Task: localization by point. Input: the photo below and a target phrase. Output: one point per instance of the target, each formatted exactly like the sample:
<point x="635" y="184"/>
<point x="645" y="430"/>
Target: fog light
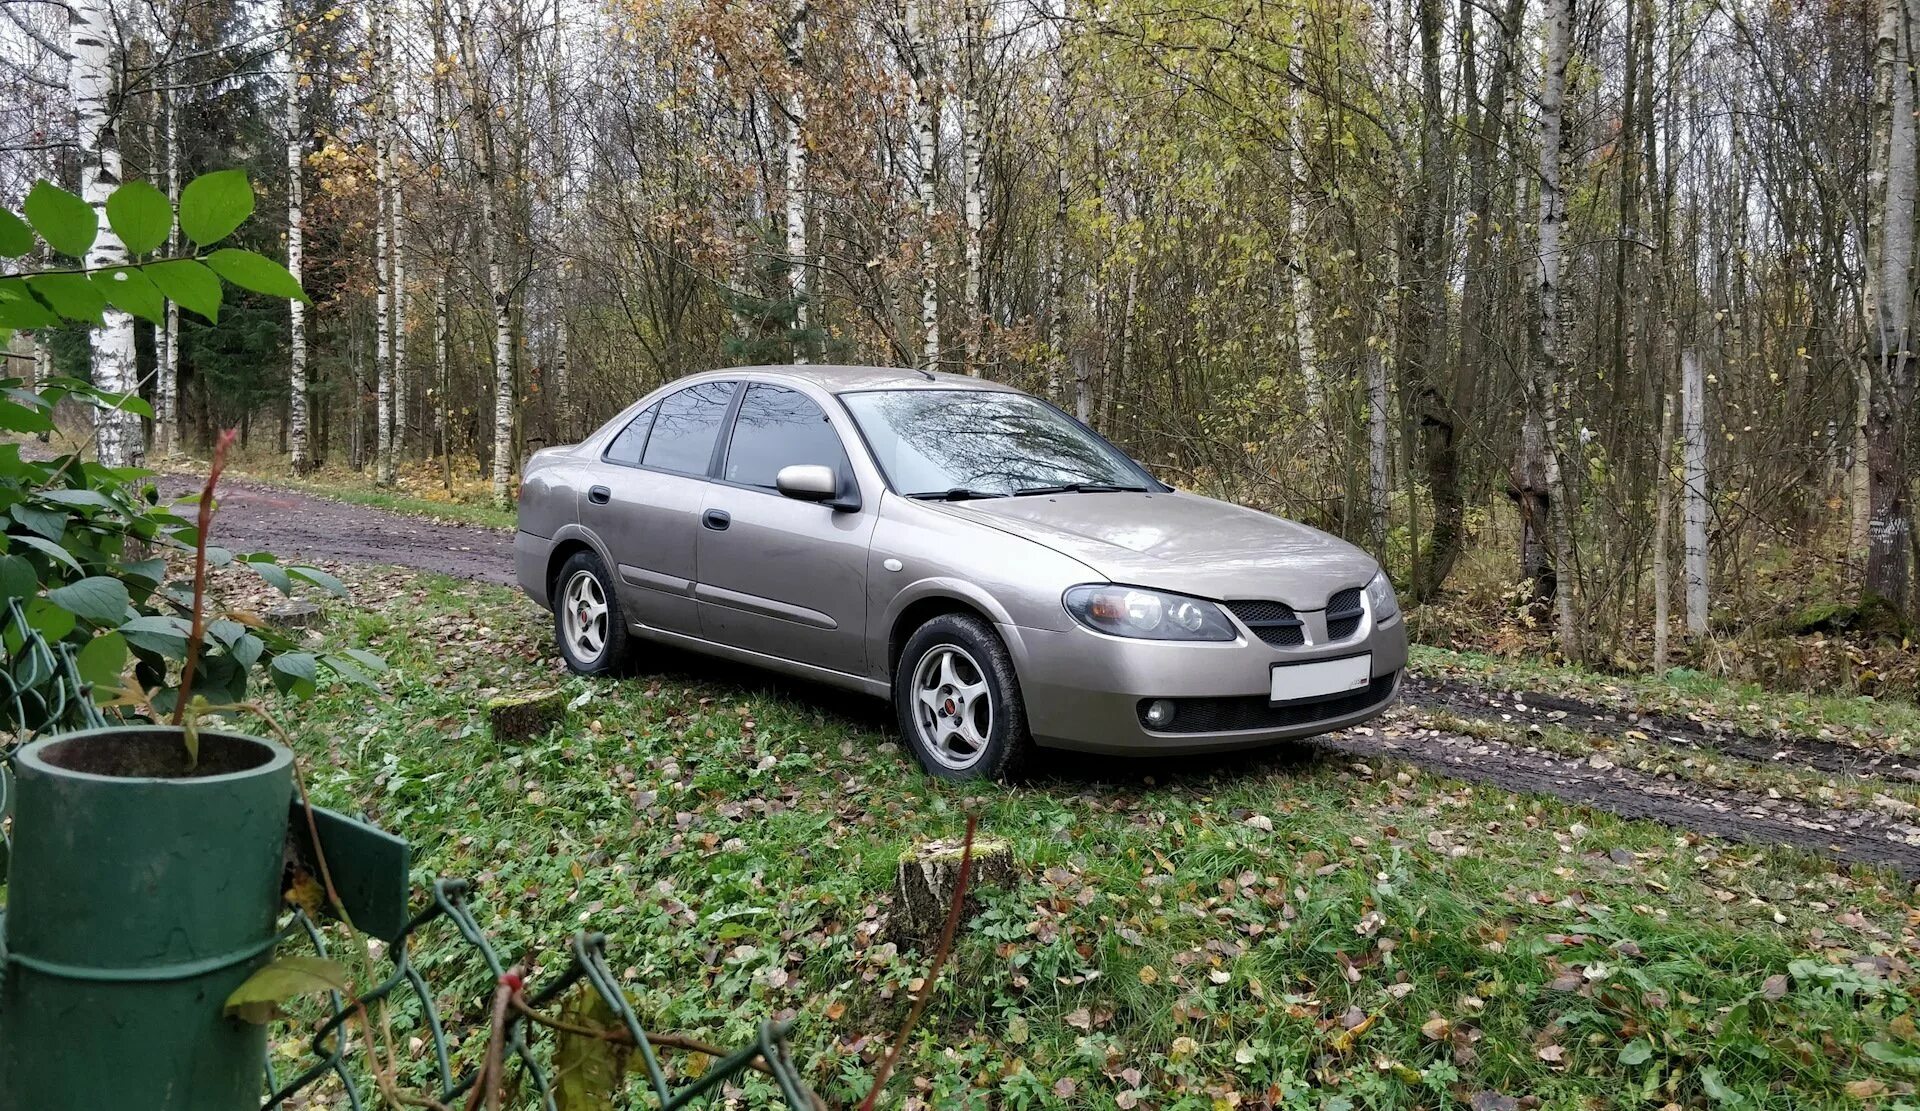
<point x="1159" y="713"/>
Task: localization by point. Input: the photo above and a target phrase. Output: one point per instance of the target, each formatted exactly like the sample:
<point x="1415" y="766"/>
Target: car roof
<point x="844" y="379"/>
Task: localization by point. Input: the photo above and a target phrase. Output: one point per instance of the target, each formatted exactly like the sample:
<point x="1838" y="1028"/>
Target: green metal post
<point x="136" y="904"/>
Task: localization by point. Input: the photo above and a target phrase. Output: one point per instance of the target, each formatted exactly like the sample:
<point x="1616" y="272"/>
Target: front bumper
<point x="1084" y="690"/>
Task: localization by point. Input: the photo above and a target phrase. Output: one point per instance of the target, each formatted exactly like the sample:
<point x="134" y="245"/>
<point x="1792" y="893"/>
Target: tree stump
<point x="516" y="720"/>
<point x="296" y="614"/>
<point x="924" y="879"/>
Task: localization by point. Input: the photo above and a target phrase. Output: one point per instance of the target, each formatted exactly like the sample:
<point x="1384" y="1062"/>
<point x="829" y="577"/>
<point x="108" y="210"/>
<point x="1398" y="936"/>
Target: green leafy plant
<point x="85" y="575"/>
<point x="212" y="207"/>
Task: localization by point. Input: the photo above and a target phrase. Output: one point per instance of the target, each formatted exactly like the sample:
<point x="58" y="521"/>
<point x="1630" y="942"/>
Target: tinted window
<point x="933" y="441"/>
<point x="778" y="427"/>
<point x="625" y="447"/>
<point x="688" y="424"/>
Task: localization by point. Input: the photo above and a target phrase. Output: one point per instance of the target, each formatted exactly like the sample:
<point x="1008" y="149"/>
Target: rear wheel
<point x="586" y="617"/>
<point x="959" y="701"/>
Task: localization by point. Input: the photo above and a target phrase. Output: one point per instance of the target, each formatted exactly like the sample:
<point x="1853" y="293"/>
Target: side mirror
<point x="807" y="482"/>
<point x="815" y="482"/>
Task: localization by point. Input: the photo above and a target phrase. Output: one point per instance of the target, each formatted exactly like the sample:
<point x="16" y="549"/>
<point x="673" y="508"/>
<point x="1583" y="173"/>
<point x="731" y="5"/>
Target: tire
<point x="584" y="604"/>
<point x="958" y="701"/>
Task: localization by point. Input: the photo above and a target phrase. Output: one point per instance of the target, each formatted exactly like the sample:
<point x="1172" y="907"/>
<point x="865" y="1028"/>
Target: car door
<point x="779" y="576"/>
<point x="645" y="500"/>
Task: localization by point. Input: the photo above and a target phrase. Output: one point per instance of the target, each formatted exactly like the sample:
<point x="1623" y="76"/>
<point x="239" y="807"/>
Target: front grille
<point x="1273" y="622"/>
<point x="1239" y="715"/>
<point x="1343" y="614"/>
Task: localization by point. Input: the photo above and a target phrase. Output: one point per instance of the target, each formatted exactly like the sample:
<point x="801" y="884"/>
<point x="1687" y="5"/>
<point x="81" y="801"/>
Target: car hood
<point x="1183" y="542"/>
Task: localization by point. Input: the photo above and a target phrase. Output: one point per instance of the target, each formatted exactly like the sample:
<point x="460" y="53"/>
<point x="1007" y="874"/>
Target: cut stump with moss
<point x="925" y="877"/>
<point x="517" y="720"/>
<point x="297" y="614"/>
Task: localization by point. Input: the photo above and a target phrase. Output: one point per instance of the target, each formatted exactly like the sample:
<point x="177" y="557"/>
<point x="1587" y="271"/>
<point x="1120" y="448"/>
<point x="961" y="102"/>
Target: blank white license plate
<point x="1321" y="678"/>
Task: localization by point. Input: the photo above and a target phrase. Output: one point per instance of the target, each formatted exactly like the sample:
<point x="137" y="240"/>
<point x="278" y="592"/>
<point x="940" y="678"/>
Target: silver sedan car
<point x="1001" y="573"/>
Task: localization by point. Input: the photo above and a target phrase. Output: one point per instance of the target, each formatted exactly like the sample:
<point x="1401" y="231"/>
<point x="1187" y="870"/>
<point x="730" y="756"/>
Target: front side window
<point x="984" y="443"/>
<point x="687" y="427"/>
<point x="626" y="447"/>
<point x="778" y="427"/>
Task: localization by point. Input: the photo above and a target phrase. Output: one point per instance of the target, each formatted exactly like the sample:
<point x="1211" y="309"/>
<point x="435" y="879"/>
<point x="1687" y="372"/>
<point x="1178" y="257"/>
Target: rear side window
<point x="778" y="427"/>
<point x="626" y="447"/>
<point x="687" y="427"/>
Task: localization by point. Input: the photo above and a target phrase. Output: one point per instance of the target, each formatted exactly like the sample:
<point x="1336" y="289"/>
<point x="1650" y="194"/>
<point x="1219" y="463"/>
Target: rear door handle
<point x="716" y="519"/>
<point x="599" y="495"/>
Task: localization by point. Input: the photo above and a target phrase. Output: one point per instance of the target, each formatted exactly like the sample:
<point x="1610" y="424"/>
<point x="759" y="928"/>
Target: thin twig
<point x="185" y="693"/>
<point x="885" y="1070"/>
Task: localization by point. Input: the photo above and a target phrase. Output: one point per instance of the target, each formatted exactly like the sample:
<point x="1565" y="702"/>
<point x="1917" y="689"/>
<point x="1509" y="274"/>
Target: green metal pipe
<point x="141" y="894"/>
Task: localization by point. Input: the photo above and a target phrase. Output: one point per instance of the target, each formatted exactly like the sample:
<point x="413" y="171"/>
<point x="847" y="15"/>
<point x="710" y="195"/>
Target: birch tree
<point x="1545" y="379"/>
<point x="1890" y="236"/>
<point x="1693" y="436"/>
<point x="298" y="449"/>
<point x="119" y="437"/>
<point x="973" y="156"/>
<point x="926" y="123"/>
<point x="798" y="257"/>
<point x="381" y="113"/>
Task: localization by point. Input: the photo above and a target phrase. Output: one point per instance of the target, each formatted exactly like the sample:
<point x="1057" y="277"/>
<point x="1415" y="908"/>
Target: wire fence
<point x="349" y="1054"/>
<point x="337" y="1056"/>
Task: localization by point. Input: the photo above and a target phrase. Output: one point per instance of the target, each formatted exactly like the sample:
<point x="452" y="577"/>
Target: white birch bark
<point x="166" y="391"/>
<point x="926" y="123"/>
<point x="973" y="172"/>
<point x="1693" y="436"/>
<point x="382" y="253"/>
<point x="1298" y="232"/>
<point x="493" y="244"/>
<point x="119" y="438"/>
<point x="297" y="426"/>
<point x="1545" y="385"/>
<point x="42" y="368"/>
<point x="397" y="414"/>
<point x="1891" y="195"/>
<point x="796" y="179"/>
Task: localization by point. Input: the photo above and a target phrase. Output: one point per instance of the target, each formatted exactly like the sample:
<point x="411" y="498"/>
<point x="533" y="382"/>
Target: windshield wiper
<point x="958" y="493"/>
<point x="1080" y="488"/>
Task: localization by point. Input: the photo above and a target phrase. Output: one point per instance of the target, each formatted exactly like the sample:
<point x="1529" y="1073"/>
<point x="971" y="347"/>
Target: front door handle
<point x="716" y="519"/>
<point x="599" y="495"/>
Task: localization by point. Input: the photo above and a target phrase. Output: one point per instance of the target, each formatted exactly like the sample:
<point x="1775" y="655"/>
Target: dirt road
<point x="294" y="525"/>
<point x="297" y="525"/>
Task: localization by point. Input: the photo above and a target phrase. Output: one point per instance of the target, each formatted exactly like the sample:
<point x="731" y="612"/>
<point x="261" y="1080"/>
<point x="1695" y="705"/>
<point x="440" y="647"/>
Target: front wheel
<point x="958" y="700"/>
<point x="586" y="617"/>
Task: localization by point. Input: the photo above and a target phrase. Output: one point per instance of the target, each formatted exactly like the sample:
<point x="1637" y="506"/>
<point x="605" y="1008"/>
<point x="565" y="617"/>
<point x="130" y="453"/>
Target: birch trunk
<point x="796" y="181"/>
<point x="397" y="413"/>
<point x="119" y="438"/>
<point x="440" y="422"/>
<point x="562" y="363"/>
<point x="383" y="256"/>
<point x="1298" y="232"/>
<point x="926" y="124"/>
<point x="1548" y="359"/>
<point x="1662" y="527"/>
<point x="1890" y="237"/>
<point x="167" y="390"/>
<point x="973" y="173"/>
<point x="1056" y="336"/>
<point x="493" y="243"/>
<point x="42" y="369"/>
<point x="297" y="425"/>
<point x="1693" y="436"/>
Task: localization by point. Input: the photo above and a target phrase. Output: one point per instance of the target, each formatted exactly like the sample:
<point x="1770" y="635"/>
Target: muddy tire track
<point x="1855" y="836"/>
<point x="1536" y="708"/>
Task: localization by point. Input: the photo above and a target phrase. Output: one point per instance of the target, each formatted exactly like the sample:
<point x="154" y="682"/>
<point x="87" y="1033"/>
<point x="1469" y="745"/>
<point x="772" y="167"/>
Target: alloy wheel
<point x="583" y="616"/>
<point x="953" y="706"/>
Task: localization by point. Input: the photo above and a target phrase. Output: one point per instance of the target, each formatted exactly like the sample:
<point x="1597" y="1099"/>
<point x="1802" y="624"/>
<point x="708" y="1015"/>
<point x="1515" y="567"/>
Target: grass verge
<point x="1240" y="933"/>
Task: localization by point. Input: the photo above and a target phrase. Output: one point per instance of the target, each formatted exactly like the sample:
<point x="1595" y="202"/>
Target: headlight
<point x="1380" y="597"/>
<point x="1128" y="611"/>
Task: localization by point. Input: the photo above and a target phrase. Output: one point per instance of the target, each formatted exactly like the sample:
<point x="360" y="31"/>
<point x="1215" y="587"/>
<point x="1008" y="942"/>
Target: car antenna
<point x="927" y="372"/>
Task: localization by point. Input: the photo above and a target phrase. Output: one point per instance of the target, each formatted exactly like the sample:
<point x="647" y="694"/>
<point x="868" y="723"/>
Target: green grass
<point x="1163" y="947"/>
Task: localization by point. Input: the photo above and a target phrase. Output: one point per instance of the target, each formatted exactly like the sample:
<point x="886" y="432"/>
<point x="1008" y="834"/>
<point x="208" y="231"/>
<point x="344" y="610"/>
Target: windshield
<point x="981" y="443"/>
